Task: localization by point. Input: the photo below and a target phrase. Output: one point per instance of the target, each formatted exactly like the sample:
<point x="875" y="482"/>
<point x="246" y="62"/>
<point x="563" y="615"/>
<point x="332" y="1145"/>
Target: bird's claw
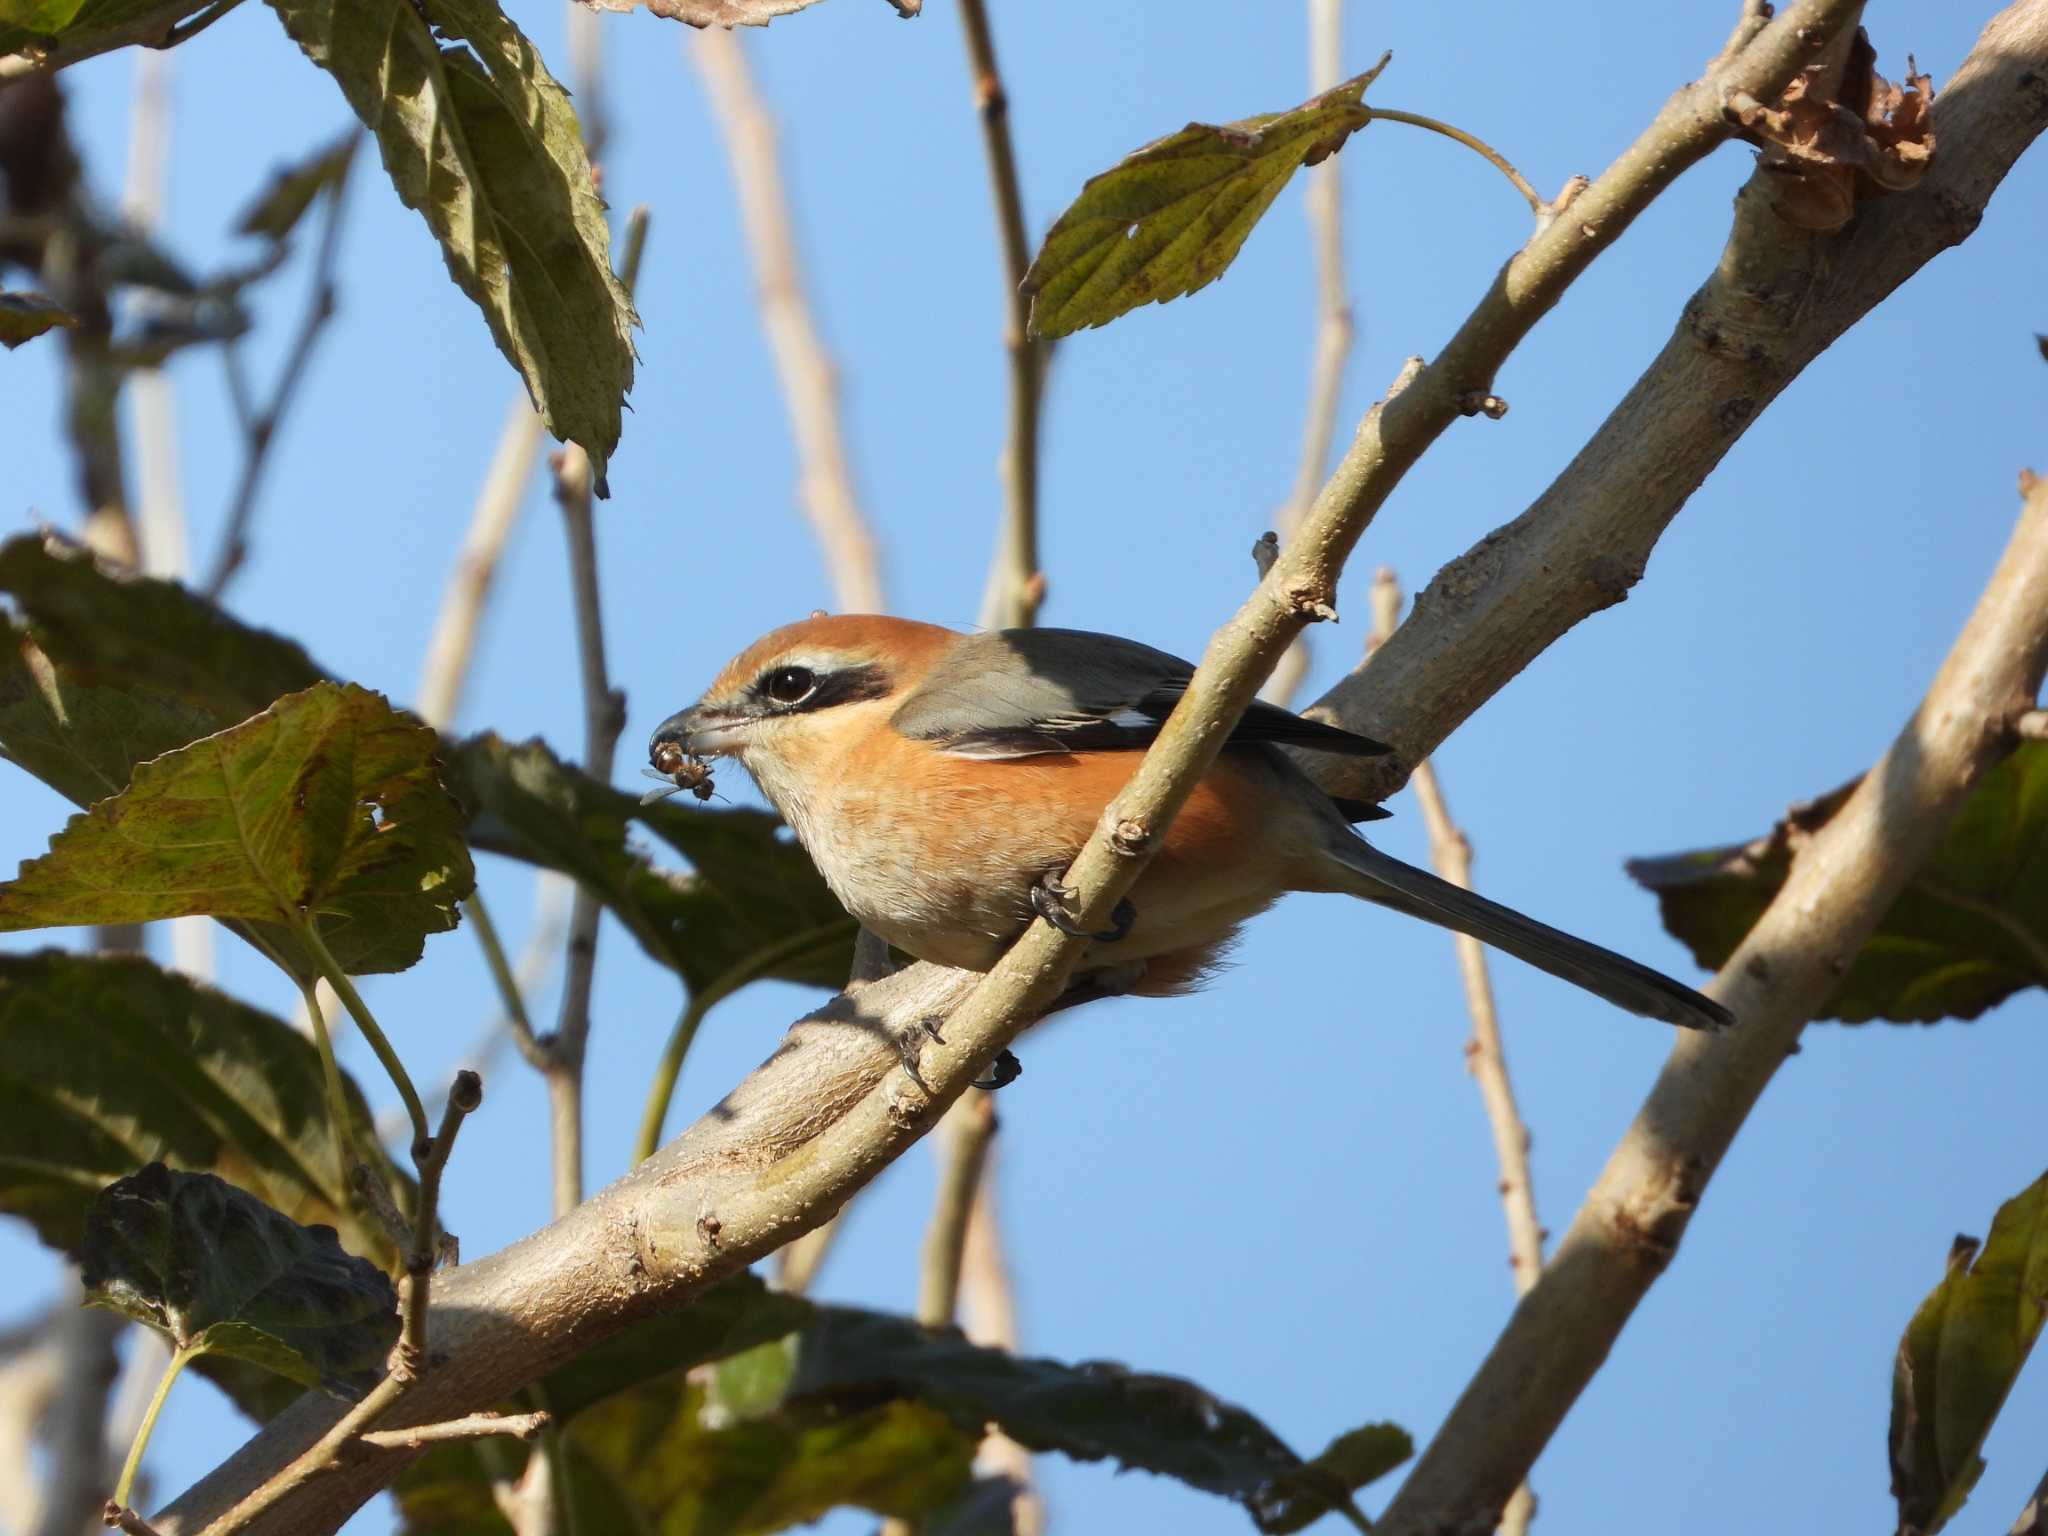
<point x="1049" y="900"/>
<point x="1002" y="1072"/>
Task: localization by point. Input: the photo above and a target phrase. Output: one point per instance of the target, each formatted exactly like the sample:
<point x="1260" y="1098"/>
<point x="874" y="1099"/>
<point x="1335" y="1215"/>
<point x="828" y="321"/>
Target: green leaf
<point x="217" y="1271"/>
<point x="292" y="188"/>
<point x="1170" y="218"/>
<point x="730" y="1319"/>
<point x="1968" y="932"/>
<point x="25" y="316"/>
<point x="753" y="905"/>
<point x="1352" y="1460"/>
<point x="481" y="139"/>
<point x="326" y="806"/>
<point x="842" y="1410"/>
<point x="1959" y="1358"/>
<point x="107" y="1062"/>
<point x="1157" y="1423"/>
<point x="70" y="30"/>
<point x="109" y="628"/>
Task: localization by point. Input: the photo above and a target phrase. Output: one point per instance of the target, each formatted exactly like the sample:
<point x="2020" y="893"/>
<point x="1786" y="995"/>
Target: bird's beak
<point x="700" y="732"/>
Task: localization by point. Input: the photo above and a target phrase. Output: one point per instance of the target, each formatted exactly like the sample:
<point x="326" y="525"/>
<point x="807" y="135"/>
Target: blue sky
<point x="1282" y="1188"/>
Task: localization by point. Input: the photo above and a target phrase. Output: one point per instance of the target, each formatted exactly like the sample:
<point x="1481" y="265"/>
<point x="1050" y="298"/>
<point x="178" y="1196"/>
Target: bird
<point x="942" y="782"/>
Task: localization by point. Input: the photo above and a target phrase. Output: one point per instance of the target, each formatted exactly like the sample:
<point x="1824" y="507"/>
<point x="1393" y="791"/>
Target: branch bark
<point x="1840" y="885"/>
<point x="1776" y="301"/>
<point x="790" y="1144"/>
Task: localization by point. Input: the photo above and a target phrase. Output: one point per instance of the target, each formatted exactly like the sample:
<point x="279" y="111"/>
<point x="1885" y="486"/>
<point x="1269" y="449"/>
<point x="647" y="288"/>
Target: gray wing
<point x="1029" y="692"/>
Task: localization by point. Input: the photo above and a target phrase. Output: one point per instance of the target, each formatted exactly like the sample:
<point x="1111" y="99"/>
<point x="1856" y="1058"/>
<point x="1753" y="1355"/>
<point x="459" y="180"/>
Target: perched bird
<point x="943" y="783"/>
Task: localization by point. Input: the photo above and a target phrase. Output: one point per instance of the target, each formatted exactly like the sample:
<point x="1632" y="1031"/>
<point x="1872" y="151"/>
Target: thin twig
<point x="511" y="992"/>
<point x="1324" y="203"/>
<point x="1016" y="582"/>
<point x="964" y="1137"/>
<point x="464" y="1096"/>
<point x="475" y="1426"/>
<point x="263" y="427"/>
<point x="604" y="717"/>
<point x="810" y="386"/>
<point x="499" y="501"/>
<point x="1451" y="852"/>
<point x="988" y="1315"/>
<point x="160" y="500"/>
<point x="121" y="1518"/>
<point x="409" y="1360"/>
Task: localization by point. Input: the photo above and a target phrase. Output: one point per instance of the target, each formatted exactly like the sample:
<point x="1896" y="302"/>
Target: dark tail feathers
<point x="1379" y="877"/>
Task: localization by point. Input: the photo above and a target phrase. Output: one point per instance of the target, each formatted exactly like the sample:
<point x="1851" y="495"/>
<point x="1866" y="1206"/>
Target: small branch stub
<point x="1480" y="402"/>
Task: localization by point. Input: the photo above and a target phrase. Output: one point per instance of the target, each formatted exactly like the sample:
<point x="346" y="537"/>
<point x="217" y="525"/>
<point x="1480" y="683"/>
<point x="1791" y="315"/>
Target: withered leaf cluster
<point x="1824" y="153"/>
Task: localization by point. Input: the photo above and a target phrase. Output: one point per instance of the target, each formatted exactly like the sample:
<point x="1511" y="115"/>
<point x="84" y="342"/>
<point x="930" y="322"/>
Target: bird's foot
<point x="1005" y="1070"/>
<point x="910" y="1049"/>
<point x="1050" y="900"/>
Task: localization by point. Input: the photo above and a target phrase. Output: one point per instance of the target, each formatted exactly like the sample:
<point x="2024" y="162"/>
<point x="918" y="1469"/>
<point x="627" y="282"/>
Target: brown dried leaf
<point x="1873" y="137"/>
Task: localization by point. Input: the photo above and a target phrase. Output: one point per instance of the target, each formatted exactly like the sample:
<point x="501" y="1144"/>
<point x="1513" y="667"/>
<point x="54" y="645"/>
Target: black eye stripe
<point x="794" y="688"/>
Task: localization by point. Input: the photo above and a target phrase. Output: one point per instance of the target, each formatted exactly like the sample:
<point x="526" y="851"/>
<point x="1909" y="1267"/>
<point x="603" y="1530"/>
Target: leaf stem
<point x="337" y="1101"/>
<point x="663" y="1088"/>
<point x="509" y="993"/>
<point x="180" y="1358"/>
<point x="1477" y="145"/>
<point x="309" y="930"/>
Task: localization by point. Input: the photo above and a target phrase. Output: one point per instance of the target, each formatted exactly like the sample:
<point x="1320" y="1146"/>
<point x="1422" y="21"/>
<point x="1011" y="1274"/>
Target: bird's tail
<point x="1379" y="877"/>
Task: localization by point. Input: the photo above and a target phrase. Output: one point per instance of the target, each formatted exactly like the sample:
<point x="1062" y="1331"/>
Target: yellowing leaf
<point x="481" y="139"/>
<point x="324" y="806"/>
<point x="1171" y="218"/>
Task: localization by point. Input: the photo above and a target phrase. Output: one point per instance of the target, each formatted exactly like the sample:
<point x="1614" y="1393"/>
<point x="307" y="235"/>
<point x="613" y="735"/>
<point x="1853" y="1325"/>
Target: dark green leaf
<point x="481" y="139"/>
<point x="1170" y="218"/>
<point x="752" y="907"/>
<point x="1158" y="1423"/>
<point x="112" y="629"/>
<point x="654" y="1458"/>
<point x="25" y="316"/>
<point x="216" y="1270"/>
<point x="1352" y="1460"/>
<point x="326" y="805"/>
<point x="70" y="30"/>
<point x="280" y="205"/>
<point x="1959" y="1358"/>
<point x="107" y="1062"/>
<point x="731" y="1318"/>
<point x="689" y="1450"/>
<point x="987" y="1508"/>
<point x="1968" y="932"/>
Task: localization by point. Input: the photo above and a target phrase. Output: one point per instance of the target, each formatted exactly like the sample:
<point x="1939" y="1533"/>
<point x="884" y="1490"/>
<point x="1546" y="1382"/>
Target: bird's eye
<point x="790" y="685"/>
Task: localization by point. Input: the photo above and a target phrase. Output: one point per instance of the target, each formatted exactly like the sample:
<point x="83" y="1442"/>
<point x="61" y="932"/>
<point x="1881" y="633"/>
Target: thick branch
<point x="1840" y="885"/>
<point x="1777" y="300"/>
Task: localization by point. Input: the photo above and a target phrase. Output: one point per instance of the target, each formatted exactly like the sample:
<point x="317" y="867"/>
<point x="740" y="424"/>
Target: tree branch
<point x="963" y="1139"/>
<point x="731" y="1188"/>
<point x="1016" y="584"/>
<point x="1777" y="299"/>
<point x="1842" y="882"/>
<point x="810" y="384"/>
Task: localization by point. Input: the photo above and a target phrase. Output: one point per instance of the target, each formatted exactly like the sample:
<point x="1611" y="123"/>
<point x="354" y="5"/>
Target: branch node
<point x="708" y="1228"/>
<point x="1480" y="402"/>
<point x="1130" y="837"/>
<point x="1314" y="603"/>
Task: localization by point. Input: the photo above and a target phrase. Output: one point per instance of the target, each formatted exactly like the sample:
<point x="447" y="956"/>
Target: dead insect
<point x="678" y="771"/>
